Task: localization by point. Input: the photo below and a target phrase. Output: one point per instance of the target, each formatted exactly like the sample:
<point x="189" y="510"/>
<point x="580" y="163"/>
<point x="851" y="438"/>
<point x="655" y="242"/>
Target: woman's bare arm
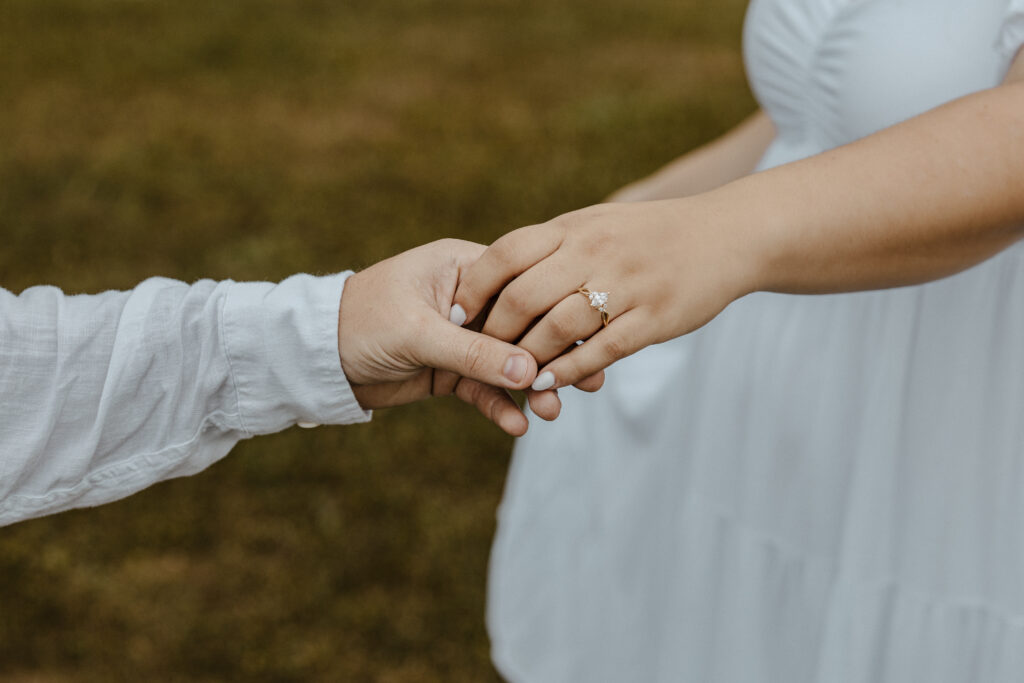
<point x="912" y="203"/>
<point x="724" y="159"/>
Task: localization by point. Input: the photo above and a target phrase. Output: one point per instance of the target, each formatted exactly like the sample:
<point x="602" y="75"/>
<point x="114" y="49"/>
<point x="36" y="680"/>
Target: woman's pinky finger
<point x="614" y="342"/>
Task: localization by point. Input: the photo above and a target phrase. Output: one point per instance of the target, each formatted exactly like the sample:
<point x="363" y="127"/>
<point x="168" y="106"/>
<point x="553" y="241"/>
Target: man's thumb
<point x="477" y="356"/>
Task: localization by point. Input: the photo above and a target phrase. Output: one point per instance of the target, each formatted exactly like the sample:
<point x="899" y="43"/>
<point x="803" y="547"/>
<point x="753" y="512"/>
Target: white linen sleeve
<point x="104" y="395"/>
<point x="1011" y="38"/>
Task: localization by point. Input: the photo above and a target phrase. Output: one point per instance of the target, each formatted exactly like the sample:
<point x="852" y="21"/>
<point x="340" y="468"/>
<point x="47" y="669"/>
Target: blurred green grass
<point x="257" y="138"/>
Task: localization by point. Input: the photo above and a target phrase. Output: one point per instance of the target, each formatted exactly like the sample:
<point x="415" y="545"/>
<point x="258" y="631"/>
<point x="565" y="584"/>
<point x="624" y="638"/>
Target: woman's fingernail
<point x="545" y="380"/>
<point x="457" y="315"/>
<point x="515" y="369"/>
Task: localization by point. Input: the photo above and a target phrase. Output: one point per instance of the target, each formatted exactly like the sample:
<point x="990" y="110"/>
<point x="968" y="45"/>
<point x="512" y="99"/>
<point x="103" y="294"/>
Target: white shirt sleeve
<point x="101" y="396"/>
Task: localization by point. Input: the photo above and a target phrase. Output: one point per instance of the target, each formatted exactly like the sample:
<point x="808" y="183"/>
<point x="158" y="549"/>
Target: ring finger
<point x="571" y="320"/>
<point x="529" y="296"/>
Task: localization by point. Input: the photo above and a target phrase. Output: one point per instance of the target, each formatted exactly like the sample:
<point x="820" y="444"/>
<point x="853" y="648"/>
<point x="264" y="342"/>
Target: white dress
<point x="811" y="488"/>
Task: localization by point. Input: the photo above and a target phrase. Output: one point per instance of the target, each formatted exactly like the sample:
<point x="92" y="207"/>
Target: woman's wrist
<point x="736" y="244"/>
<point x="774" y="229"/>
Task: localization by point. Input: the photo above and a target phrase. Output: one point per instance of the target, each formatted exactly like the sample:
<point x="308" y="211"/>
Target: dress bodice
<point x="831" y="71"/>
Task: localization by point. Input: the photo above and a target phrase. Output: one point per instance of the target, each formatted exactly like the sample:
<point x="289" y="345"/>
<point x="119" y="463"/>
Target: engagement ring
<point x="599" y="301"/>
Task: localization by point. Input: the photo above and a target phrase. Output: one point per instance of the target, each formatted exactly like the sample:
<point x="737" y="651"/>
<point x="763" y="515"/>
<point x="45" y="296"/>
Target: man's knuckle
<point x="467" y="390"/>
<point x="476" y="355"/>
<point x="567" y="222"/>
<point x="444" y="383"/>
<point x="493" y="407"/>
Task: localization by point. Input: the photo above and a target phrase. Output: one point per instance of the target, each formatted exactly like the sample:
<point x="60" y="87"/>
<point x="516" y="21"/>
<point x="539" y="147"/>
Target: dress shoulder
<point x="1011" y="38"/>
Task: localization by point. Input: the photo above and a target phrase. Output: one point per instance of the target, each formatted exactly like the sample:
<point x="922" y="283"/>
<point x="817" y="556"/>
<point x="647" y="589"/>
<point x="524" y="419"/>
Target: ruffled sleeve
<point x="1011" y="38"/>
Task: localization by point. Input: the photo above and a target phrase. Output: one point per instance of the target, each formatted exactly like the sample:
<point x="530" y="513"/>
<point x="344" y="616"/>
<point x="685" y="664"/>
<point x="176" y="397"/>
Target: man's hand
<point x="393" y="332"/>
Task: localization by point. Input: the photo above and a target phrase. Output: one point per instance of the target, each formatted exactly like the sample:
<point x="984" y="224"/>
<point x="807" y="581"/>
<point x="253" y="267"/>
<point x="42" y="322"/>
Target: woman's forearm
<point x="916" y="202"/>
<point x="721" y="161"/>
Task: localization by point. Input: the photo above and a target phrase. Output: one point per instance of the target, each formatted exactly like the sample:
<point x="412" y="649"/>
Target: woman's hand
<point x="668" y="268"/>
<point x="888" y="210"/>
<point x="394" y="331"/>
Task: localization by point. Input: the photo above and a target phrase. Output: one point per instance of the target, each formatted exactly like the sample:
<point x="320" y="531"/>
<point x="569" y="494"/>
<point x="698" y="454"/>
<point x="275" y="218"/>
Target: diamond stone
<point x="598" y="300"/>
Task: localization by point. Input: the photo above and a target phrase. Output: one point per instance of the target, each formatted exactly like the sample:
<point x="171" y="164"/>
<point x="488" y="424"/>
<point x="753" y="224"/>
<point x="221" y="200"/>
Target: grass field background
<point x="254" y="139"/>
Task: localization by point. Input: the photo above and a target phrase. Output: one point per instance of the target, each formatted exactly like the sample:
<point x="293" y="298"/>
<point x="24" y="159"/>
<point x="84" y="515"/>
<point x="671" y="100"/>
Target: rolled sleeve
<point x="281" y="341"/>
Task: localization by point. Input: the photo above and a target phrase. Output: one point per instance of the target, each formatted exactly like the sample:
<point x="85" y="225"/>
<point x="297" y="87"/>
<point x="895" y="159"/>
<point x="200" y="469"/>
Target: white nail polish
<point x="545" y="380"/>
<point x="457" y="316"/>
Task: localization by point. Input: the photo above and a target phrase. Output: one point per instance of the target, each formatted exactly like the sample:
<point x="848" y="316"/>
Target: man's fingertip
<point x="516" y="368"/>
<point x="516" y="425"/>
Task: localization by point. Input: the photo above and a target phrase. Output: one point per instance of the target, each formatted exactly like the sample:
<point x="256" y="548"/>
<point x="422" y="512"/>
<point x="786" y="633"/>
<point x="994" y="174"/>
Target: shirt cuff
<point x="281" y="342"/>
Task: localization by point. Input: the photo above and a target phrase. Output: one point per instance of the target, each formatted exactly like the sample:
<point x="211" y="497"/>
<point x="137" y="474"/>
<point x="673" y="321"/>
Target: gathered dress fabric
<point x="809" y="488"/>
